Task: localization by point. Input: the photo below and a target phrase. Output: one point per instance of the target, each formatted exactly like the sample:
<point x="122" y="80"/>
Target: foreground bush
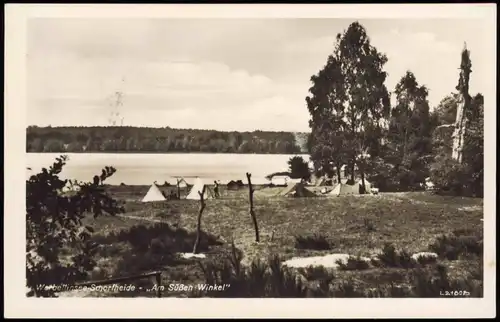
<point x="150" y="247"/>
<point x="259" y="280"/>
<point x="54" y="221"/>
<point x="457" y="245"/>
<point x="271" y="279"/>
<point x="314" y="242"/>
<point x="353" y="263"/>
<point x="392" y="258"/>
<point x="438" y="283"/>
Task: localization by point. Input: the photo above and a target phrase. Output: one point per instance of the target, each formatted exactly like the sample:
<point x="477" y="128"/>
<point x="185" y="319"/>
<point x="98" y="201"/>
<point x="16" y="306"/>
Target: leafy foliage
<point x="458" y="245"/>
<point x="465" y="178"/>
<point x="390" y="257"/>
<point x="316" y="241"/>
<point x="273" y="279"/>
<point x="54" y="221"/>
<point x="260" y="279"/>
<point x="410" y="146"/>
<point x="348" y="102"/>
<point x="351" y="116"/>
<point x="353" y="263"/>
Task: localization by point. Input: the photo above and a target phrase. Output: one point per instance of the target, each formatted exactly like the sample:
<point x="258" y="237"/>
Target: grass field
<point x="147" y="236"/>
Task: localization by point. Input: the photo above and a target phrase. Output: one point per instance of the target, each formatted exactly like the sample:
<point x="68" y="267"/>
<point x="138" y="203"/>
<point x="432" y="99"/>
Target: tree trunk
<point x="458" y="133"/>
<point x="178" y="190"/>
<point x="198" y="227"/>
<point x="363" y="190"/>
<point x="352" y="169"/>
<point x="252" y="213"/>
<point x="339" y="176"/>
<point x="404" y="143"/>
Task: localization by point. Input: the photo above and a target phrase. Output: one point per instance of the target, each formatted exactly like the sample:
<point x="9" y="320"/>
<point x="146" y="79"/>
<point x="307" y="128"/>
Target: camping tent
<point x="154" y="194"/>
<point x="198" y="187"/>
<point x="345" y="189"/>
<point x="182" y="183"/>
<point x="368" y="185"/>
<point x="296" y="189"/>
<point x="321" y="182"/>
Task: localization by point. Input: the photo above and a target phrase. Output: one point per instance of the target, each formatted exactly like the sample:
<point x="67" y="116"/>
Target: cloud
<point x="221" y="74"/>
<point x="433" y="61"/>
<point x="434" y="58"/>
<point x="277" y="113"/>
<point x="157" y="93"/>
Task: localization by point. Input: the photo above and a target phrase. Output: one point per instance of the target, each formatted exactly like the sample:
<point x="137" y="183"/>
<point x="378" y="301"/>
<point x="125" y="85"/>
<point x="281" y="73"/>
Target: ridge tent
<point x="297" y="189"/>
<point x="154" y="194"/>
<point x="345" y="189"/>
<point x="322" y="182"/>
<point x="198" y="187"/>
<point x="181" y="183"/>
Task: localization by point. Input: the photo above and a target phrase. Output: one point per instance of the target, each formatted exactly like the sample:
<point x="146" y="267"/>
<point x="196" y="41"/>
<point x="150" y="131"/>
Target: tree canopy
<point x="353" y="124"/>
<point x="349" y="103"/>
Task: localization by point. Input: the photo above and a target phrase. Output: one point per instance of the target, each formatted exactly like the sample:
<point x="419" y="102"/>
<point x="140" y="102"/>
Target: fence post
<point x="198" y="226"/>
<point x="252" y="212"/>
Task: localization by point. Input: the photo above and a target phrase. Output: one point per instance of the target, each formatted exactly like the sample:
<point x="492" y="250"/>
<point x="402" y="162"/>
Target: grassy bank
<point x="148" y="236"/>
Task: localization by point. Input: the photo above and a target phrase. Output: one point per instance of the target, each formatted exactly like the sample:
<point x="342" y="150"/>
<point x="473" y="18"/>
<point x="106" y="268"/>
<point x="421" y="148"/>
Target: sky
<point x="222" y="74"/>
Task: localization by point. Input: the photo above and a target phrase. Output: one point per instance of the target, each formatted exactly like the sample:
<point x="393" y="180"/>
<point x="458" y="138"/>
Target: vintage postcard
<point x="234" y="160"/>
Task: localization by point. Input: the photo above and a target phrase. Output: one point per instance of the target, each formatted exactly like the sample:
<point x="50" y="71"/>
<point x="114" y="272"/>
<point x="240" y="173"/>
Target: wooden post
<point x="198" y="228"/>
<point x="158" y="283"/>
<point x="178" y="189"/>
<point x="252" y="213"/>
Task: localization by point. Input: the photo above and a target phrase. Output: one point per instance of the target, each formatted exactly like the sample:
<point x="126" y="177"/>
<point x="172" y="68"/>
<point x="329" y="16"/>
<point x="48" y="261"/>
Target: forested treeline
<point x="157" y="140"/>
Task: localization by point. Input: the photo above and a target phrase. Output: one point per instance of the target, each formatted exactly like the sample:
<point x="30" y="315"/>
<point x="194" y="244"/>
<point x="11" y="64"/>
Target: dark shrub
<point x="353" y="263"/>
<point x="454" y="246"/>
<point x="391" y="258"/>
<point x="315" y="242"/>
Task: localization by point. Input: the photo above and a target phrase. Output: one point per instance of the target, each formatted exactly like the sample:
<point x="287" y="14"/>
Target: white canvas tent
<point x="345" y="189"/>
<point x="182" y="183"/>
<point x="154" y="194"/>
<point x="197" y="188"/>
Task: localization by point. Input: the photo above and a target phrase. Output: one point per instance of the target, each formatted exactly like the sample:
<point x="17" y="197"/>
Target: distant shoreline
<point x="138" y="140"/>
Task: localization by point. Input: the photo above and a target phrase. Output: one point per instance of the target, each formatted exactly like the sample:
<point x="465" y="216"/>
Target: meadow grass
<point x="389" y="227"/>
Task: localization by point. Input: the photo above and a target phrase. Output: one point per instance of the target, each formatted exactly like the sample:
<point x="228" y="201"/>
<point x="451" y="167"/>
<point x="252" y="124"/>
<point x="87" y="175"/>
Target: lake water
<point x="144" y="169"/>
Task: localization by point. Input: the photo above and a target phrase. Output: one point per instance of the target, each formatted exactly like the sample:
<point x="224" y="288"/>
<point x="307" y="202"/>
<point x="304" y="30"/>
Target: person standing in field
<point x="216" y="189"/>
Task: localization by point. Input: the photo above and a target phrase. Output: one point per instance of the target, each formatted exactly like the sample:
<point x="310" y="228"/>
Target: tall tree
<point x="348" y="101"/>
<point x="327" y="128"/>
<point x="461" y="171"/>
<point x="410" y="132"/>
